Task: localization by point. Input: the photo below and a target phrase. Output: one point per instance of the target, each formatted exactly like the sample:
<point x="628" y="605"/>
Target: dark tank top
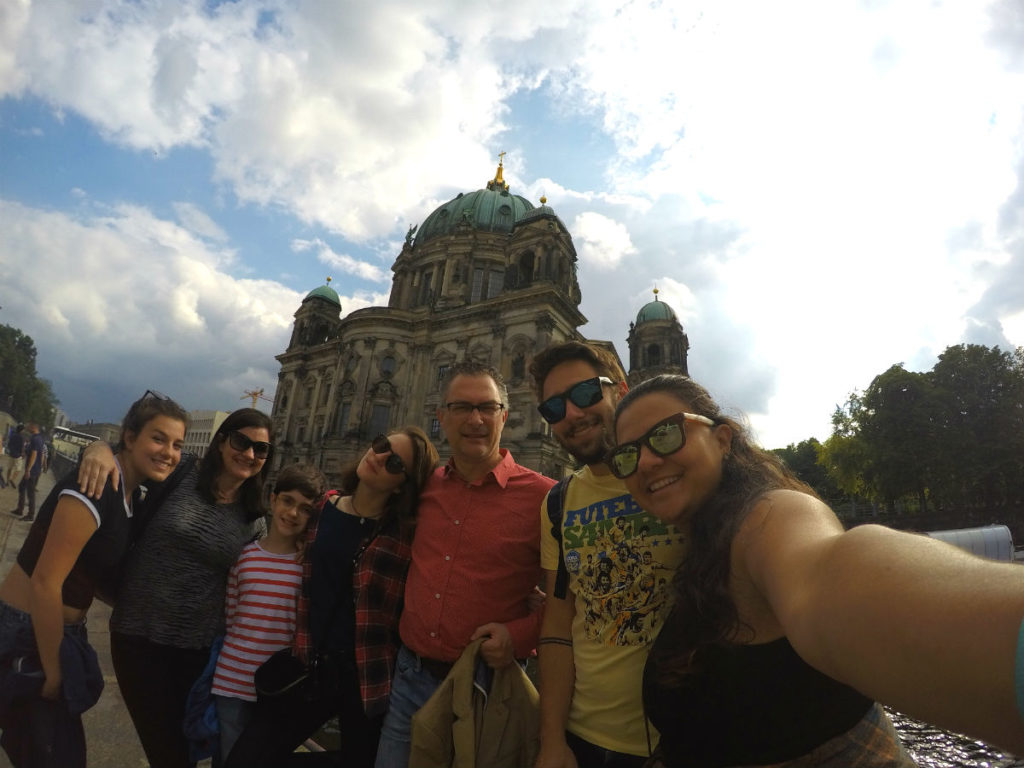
<point x="746" y="705"/>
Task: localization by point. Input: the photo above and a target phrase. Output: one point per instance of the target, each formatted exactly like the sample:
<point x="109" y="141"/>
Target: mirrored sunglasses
<point x="392" y="463"/>
<point x="582" y="394"/>
<point x="664" y="438"/>
<point x="241" y="442"/>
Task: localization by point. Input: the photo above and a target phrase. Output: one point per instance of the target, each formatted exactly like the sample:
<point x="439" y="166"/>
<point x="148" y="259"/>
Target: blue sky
<point x="818" y="190"/>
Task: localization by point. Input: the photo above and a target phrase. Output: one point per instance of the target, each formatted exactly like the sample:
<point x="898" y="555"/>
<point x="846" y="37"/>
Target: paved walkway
<point x="108" y="728"/>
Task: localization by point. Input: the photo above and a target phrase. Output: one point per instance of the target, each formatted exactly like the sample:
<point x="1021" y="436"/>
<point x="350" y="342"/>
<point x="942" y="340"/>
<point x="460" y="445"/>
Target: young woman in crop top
<point x="47" y="669"/>
<point x="785" y="629"/>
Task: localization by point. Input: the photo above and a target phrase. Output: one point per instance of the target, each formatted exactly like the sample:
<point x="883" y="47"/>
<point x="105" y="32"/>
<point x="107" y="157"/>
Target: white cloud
<point x="601" y="242"/>
<point x="820" y="190"/>
<point x="176" y="324"/>
<point x="197" y="221"/>
<point x="340" y="261"/>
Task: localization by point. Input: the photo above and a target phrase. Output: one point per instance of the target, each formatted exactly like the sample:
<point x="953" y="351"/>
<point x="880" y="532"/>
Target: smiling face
<point x="156" y="450"/>
<point x="586" y="433"/>
<point x="289" y="513"/>
<point x="673" y="487"/>
<point x="474" y="437"/>
<point x="238" y="465"/>
<point x="372" y="467"/>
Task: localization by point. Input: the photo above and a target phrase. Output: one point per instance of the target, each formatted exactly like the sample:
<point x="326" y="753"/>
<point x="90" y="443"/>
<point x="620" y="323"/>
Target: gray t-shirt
<point x="176" y="576"/>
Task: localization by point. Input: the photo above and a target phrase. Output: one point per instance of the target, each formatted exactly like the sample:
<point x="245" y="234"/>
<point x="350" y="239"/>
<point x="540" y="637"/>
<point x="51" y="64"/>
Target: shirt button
<point x="447" y="557"/>
<point x="437" y="595"/>
<point x="457" y="522"/>
<point x="433" y="634"/>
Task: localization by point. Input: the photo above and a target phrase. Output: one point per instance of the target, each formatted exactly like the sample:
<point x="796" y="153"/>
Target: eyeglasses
<point x="241" y="442"/>
<point x="393" y="463"/>
<point x="154" y="394"/>
<point x="582" y="394"/>
<point x="487" y="410"/>
<point x="664" y="438"/>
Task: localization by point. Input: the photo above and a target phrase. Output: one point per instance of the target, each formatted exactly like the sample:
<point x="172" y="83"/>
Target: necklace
<point x="355" y="511"/>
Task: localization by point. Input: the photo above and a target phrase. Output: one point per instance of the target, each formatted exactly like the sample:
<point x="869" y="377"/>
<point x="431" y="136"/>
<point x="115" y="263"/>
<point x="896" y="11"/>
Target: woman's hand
<point x="51" y="689"/>
<point x="96" y="466"/>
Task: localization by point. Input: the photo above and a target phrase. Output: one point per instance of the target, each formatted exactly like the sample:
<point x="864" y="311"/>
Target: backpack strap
<point x="556" y="504"/>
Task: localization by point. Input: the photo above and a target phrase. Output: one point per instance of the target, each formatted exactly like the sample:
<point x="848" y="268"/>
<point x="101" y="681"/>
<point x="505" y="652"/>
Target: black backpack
<point x="556" y="502"/>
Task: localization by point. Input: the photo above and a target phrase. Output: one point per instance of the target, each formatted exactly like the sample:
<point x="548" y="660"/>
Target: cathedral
<point x="488" y="277"/>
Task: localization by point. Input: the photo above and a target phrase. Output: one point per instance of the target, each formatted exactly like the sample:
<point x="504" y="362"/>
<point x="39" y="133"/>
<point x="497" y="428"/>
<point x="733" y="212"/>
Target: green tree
<point x="22" y="393"/>
<point x="802" y="458"/>
<point x="981" y="435"/>
<point x="898" y="426"/>
<point x="844" y="455"/>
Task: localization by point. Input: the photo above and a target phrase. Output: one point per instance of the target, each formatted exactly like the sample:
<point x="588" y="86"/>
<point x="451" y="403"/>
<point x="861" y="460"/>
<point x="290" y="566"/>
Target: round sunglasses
<point x="664" y="438"/>
<point x="582" y="394"/>
<point x="241" y="442"/>
<point x="392" y="463"/>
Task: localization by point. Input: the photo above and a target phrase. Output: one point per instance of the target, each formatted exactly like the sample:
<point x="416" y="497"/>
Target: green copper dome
<point x="324" y="292"/>
<point x="492" y="209"/>
<point x="655" y="310"/>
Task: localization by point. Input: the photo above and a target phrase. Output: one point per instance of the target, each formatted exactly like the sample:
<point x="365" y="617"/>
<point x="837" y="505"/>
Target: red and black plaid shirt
<point x="378" y="588"/>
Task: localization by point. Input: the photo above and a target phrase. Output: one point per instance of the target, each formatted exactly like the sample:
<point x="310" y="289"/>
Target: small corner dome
<point x="655" y="310"/>
<point x="323" y="292"/>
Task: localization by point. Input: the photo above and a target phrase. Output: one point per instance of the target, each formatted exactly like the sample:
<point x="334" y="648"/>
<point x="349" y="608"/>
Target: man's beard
<point x="595" y="450"/>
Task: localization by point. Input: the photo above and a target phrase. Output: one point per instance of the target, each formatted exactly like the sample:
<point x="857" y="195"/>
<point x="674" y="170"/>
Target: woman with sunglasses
<point x="170" y="605"/>
<point x="786" y="630"/>
<point x="357" y="556"/>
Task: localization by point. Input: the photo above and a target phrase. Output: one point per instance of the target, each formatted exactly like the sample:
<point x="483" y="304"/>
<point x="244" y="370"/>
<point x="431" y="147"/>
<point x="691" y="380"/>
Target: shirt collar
<point x="501" y="472"/>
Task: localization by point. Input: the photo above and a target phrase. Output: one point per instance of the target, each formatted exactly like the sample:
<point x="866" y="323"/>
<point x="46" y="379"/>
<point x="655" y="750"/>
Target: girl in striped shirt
<point x="263" y="589"/>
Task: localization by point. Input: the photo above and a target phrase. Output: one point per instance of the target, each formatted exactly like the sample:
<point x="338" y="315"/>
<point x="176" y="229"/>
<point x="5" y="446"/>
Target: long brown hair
<point x="704" y="612"/>
<point x="401" y="505"/>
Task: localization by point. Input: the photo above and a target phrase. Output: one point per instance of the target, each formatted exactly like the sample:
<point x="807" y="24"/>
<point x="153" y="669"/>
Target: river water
<point x="934" y="748"/>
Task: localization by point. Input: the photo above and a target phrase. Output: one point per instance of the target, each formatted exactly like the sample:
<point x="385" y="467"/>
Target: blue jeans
<point x="232" y="716"/>
<point x="410" y="690"/>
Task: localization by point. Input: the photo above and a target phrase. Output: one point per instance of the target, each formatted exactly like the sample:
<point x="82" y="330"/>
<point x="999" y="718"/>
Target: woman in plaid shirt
<point x="357" y="557"/>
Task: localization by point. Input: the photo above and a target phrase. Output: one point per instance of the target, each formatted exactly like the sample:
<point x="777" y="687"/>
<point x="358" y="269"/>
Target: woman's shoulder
<point x="785" y="512"/>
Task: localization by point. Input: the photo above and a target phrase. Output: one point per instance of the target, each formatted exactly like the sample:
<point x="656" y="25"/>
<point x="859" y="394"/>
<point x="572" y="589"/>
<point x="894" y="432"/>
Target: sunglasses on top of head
<point x="392" y="463"/>
<point x="664" y="438"/>
<point x="582" y="394"/>
<point x="241" y="442"/>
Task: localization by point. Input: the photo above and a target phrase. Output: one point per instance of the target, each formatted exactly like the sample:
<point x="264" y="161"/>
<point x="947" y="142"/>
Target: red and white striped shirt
<point x="263" y="590"/>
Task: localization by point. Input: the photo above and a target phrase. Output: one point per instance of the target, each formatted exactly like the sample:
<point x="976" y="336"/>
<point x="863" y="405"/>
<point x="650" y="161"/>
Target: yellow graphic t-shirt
<point x="620" y="561"/>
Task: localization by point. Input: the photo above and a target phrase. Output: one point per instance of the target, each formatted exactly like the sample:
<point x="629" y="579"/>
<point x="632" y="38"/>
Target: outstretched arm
<point x="905" y="619"/>
<point x="96" y="466"/>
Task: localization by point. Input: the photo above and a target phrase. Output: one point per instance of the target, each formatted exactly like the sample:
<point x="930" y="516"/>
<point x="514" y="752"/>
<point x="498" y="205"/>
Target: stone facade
<point x="490" y="278"/>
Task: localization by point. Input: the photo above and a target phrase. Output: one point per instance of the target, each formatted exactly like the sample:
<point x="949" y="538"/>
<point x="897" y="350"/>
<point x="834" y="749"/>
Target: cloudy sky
<point x="819" y="190"/>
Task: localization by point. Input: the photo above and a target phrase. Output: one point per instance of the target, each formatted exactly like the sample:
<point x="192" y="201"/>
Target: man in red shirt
<point x="475" y="557"/>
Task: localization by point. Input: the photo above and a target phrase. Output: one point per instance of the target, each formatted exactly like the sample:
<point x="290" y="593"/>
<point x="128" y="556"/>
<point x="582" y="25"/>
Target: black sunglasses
<point x="392" y="463"/>
<point x="582" y="394"/>
<point x="241" y="442"/>
<point x="664" y="438"/>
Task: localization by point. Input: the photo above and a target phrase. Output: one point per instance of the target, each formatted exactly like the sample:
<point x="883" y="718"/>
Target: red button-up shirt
<point x="475" y="559"/>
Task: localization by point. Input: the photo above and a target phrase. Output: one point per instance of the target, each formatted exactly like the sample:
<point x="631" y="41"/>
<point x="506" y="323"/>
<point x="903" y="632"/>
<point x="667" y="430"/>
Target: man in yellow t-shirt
<point x="619" y="559"/>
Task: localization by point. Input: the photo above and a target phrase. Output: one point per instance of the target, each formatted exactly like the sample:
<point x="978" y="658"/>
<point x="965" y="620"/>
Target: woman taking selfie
<point x="75" y="544"/>
<point x="786" y="630"/>
<point x="357" y="556"/>
<point x="170" y="606"/>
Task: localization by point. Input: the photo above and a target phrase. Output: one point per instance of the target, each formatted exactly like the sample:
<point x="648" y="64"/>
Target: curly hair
<point x="704" y="613"/>
<point x="402" y="505"/>
<point x="250" y="495"/>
